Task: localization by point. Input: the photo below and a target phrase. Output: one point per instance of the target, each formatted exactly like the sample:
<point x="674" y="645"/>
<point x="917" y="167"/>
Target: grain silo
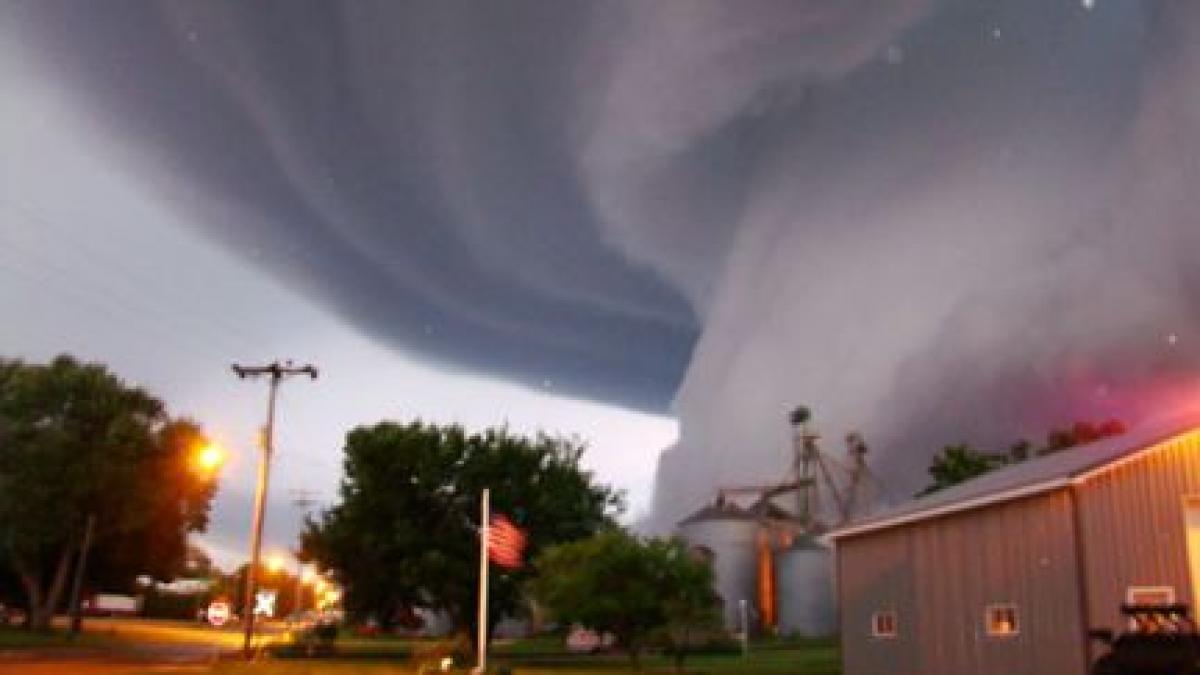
<point x="726" y="533"/>
<point x="770" y="557"/>
<point x="805" y="580"/>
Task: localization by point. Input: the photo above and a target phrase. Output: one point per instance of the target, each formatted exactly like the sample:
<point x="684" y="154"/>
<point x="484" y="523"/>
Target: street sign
<point x="218" y="613"/>
<point x="264" y="603"/>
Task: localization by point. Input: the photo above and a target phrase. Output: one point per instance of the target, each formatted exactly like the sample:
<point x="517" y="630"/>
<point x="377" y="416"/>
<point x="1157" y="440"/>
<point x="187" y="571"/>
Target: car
<point x="1161" y="640"/>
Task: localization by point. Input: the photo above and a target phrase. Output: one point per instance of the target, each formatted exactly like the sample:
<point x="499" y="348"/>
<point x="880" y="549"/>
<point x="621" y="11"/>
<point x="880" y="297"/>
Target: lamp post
<point x="302" y="499"/>
<point x="298" y="603"/>
<point x="745" y="616"/>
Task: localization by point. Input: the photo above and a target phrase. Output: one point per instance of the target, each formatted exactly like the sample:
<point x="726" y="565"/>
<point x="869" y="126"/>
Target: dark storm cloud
<point x="406" y="164"/>
<point x="933" y="221"/>
<point x="981" y="233"/>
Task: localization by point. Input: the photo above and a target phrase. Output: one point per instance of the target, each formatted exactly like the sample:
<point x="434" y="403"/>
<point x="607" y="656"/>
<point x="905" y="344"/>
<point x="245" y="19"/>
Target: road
<point x="119" y="645"/>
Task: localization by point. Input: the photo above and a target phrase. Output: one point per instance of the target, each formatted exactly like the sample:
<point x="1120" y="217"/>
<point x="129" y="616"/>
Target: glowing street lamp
<point x="275" y="564"/>
<point x="209" y="458"/>
<point x="331" y="597"/>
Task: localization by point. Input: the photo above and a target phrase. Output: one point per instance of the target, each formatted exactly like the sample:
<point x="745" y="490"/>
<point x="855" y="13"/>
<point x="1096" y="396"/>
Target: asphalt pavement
<point x="126" y="645"/>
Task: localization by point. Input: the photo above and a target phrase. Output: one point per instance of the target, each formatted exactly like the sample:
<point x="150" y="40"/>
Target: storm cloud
<point x="930" y="221"/>
<point x="407" y="165"/>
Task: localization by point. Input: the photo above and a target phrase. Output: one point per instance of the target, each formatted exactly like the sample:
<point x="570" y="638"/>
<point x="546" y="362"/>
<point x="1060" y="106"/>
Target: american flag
<point x="506" y="542"/>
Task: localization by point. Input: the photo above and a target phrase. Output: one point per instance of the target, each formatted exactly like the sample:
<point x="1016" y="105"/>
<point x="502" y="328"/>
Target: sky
<point x="660" y="225"/>
<point x="95" y="264"/>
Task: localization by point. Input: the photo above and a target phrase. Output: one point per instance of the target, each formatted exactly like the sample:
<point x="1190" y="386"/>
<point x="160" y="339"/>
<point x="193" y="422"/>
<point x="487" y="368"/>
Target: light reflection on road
<point x="128" y="645"/>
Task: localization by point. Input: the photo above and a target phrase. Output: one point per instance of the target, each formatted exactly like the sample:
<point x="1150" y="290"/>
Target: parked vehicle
<point x="111" y="604"/>
<point x="1161" y="640"/>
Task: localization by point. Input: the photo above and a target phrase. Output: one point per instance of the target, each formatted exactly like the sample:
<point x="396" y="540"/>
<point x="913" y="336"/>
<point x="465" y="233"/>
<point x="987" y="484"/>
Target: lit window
<point x="1001" y="620"/>
<point x="883" y="624"/>
<point x="1150" y="595"/>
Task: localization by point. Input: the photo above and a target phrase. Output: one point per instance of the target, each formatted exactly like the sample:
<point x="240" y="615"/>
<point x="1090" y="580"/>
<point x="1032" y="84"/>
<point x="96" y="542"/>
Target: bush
<point x="316" y="640"/>
<point x="709" y="642"/>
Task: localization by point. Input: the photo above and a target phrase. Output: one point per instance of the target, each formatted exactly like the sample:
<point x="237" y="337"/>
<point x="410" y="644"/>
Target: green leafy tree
<point x="629" y="587"/>
<point x="956" y="464"/>
<point x="959" y="463"/>
<point x="691" y="606"/>
<point x="76" y="442"/>
<point x="405" y="532"/>
<point x="1080" y="433"/>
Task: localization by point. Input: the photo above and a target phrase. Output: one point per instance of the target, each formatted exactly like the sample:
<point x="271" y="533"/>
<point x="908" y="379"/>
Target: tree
<point x="956" y="464"/>
<point x="76" y="442"/>
<point x="691" y="605"/>
<point x="959" y="463"/>
<point x="405" y="532"/>
<point x="629" y="587"/>
<point x="1080" y="433"/>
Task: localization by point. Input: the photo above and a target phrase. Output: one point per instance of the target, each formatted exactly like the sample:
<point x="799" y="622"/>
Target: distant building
<point x="1008" y="572"/>
<point x="762" y="557"/>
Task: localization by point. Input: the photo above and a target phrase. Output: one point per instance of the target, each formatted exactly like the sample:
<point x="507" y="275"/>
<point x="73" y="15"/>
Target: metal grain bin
<point x="726" y="533"/>
<point x="805" y="580"/>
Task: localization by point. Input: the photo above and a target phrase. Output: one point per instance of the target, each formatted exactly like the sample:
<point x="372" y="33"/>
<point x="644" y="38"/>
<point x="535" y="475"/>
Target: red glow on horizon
<point x="1086" y="397"/>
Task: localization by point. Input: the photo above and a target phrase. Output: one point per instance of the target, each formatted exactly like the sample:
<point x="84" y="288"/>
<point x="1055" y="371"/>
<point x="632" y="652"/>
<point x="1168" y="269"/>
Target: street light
<point x="209" y="458"/>
<point x="331" y="597"/>
<point x="206" y="460"/>
<point x="275" y="564"/>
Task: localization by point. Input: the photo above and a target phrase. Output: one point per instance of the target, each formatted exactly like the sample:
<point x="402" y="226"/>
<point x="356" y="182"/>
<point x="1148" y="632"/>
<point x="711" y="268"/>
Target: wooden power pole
<point x="276" y="372"/>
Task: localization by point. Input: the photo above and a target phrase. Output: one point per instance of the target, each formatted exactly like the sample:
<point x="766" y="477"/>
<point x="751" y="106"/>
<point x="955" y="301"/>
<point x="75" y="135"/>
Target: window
<point x="1150" y="595"/>
<point x="883" y="624"/>
<point x="1001" y="620"/>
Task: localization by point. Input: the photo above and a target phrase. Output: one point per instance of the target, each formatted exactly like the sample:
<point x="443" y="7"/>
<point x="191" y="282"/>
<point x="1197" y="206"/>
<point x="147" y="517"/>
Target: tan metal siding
<point x="875" y="573"/>
<point x="939" y="575"/>
<point x="1131" y="517"/>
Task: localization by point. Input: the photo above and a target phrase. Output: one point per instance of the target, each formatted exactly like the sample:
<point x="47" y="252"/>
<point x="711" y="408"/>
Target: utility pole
<point x="303" y="500"/>
<point x="276" y="372"/>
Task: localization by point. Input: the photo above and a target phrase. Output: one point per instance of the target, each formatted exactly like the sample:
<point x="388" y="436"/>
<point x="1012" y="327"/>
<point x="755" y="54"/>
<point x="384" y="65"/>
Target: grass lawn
<point x="393" y="656"/>
<point x="809" y="662"/>
<point x="19" y="638"/>
<point x="809" y="659"/>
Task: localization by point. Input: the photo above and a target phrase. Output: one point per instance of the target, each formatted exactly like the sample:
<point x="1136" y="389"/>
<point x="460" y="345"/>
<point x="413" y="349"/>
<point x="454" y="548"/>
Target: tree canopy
<point x="959" y="463"/>
<point x="956" y="464"/>
<point x="77" y="441"/>
<point x="629" y="587"/>
<point x="405" y="531"/>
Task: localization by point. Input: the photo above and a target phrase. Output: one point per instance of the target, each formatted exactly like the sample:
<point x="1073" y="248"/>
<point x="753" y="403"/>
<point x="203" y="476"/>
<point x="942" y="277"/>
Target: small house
<point x="1007" y="573"/>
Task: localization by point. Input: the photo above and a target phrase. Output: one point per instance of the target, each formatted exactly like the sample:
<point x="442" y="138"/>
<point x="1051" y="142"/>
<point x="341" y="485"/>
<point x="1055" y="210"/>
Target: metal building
<point x="1008" y="572"/>
<point x="805" y="573"/>
<point x="727" y="534"/>
<point x="767" y="558"/>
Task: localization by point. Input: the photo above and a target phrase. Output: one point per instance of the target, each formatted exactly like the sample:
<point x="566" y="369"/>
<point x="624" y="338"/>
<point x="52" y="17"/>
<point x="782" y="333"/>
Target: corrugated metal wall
<point x="806" y="603"/>
<point x="1132" y="521"/>
<point x="732" y="543"/>
<point x="940" y="575"/>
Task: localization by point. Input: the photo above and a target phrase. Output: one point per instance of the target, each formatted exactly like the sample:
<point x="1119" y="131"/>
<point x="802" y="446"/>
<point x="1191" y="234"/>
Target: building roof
<point x="720" y="510"/>
<point x="765" y="509"/>
<point x="805" y="542"/>
<point x="1031" y="477"/>
<point x="725" y="509"/>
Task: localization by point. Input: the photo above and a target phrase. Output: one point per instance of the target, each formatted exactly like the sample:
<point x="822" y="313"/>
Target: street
<point x="123" y="645"/>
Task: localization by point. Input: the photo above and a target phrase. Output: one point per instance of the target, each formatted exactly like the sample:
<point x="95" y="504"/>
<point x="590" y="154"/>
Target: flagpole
<point x="484" y="524"/>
